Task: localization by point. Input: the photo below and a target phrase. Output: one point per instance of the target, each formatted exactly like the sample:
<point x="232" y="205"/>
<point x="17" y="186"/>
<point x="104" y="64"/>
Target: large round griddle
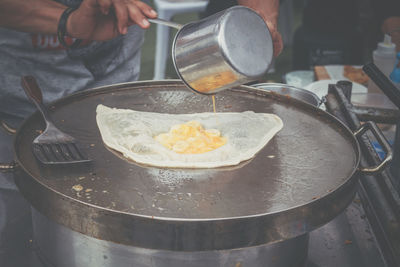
<point x="302" y="179"/>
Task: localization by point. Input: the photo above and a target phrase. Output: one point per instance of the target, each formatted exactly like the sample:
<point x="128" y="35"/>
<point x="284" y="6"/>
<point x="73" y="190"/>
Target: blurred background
<point x="315" y="32"/>
<point x="282" y="64"/>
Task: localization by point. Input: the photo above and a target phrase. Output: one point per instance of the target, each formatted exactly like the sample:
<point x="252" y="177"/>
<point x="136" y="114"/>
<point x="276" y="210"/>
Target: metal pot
<point x="301" y="180"/>
<point x="291" y="91"/>
<point x="227" y="49"/>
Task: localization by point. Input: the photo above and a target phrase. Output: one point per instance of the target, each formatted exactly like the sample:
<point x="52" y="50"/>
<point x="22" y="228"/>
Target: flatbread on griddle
<point x="133" y="134"/>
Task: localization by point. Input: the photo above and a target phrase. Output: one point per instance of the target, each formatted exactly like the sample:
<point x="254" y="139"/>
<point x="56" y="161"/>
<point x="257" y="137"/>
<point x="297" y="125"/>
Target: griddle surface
<point x="310" y="157"/>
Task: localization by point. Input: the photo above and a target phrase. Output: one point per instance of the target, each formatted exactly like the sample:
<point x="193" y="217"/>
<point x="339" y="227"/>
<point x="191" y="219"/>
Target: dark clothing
<point x="326" y="16"/>
<point x="340" y="31"/>
<point x="328" y="35"/>
<point x="384" y="9"/>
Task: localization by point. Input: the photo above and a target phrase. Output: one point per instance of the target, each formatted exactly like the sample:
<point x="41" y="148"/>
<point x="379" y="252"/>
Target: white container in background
<point x="384" y="57"/>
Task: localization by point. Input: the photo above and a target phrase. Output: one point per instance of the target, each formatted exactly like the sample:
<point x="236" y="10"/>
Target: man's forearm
<point x="268" y="9"/>
<point x="36" y="16"/>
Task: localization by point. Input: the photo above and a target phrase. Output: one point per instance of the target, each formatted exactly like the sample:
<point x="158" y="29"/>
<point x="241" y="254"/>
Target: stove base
<point x="61" y="247"/>
<point x="346" y="241"/>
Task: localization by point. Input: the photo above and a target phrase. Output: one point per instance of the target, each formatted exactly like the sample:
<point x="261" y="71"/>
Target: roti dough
<point x="133" y="134"/>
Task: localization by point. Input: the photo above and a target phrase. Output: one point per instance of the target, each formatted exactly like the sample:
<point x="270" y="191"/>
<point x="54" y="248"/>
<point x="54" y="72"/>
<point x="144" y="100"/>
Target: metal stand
<point x="379" y="193"/>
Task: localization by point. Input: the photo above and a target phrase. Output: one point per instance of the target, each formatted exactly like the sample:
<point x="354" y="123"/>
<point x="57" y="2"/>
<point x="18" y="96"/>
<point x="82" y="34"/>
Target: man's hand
<point x="276" y="38"/>
<point x="94" y="20"/>
<point x="101" y="20"/>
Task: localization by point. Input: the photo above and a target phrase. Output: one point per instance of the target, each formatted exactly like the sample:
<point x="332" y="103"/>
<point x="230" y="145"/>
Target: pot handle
<point x="166" y="23"/>
<point x="369" y="125"/>
<point x="7" y="128"/>
<point x="321" y="101"/>
<point x="7" y="167"/>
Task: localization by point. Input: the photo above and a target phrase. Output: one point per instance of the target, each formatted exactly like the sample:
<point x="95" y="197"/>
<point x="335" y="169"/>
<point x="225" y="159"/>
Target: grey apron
<point x="15" y="215"/>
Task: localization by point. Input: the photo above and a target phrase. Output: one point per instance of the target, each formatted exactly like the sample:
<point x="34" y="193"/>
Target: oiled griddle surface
<point x="310" y="157"/>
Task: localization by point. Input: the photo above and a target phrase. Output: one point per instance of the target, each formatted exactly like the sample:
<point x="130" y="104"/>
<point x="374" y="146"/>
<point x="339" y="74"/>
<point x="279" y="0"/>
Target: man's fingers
<point x="278" y="44"/>
<point x="147" y="10"/>
<point x="104" y="6"/>
<point x="276" y="38"/>
<point x="128" y="11"/>
<point x="137" y="15"/>
<point x="122" y="15"/>
<point x="278" y="47"/>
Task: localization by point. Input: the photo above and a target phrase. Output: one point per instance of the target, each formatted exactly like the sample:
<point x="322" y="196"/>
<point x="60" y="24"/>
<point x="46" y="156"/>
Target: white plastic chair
<point x="166" y="9"/>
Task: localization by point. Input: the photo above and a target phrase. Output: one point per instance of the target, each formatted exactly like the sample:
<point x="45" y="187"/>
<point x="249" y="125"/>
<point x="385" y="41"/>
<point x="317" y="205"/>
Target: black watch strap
<point x="62" y="29"/>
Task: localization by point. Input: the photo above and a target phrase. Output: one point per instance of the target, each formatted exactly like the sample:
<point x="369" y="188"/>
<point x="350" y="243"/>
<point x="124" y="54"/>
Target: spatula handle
<point x="34" y="93"/>
<point x="32" y="88"/>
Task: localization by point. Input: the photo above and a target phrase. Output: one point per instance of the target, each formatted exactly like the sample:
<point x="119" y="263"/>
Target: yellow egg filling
<point x="191" y="138"/>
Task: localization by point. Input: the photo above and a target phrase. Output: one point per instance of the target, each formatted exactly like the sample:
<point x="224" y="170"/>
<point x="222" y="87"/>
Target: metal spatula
<point x="52" y="146"/>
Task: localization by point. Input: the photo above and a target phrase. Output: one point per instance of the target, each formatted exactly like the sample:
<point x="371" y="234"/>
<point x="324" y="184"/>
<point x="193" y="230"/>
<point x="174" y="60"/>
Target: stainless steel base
<point x="59" y="246"/>
<point x="347" y="241"/>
